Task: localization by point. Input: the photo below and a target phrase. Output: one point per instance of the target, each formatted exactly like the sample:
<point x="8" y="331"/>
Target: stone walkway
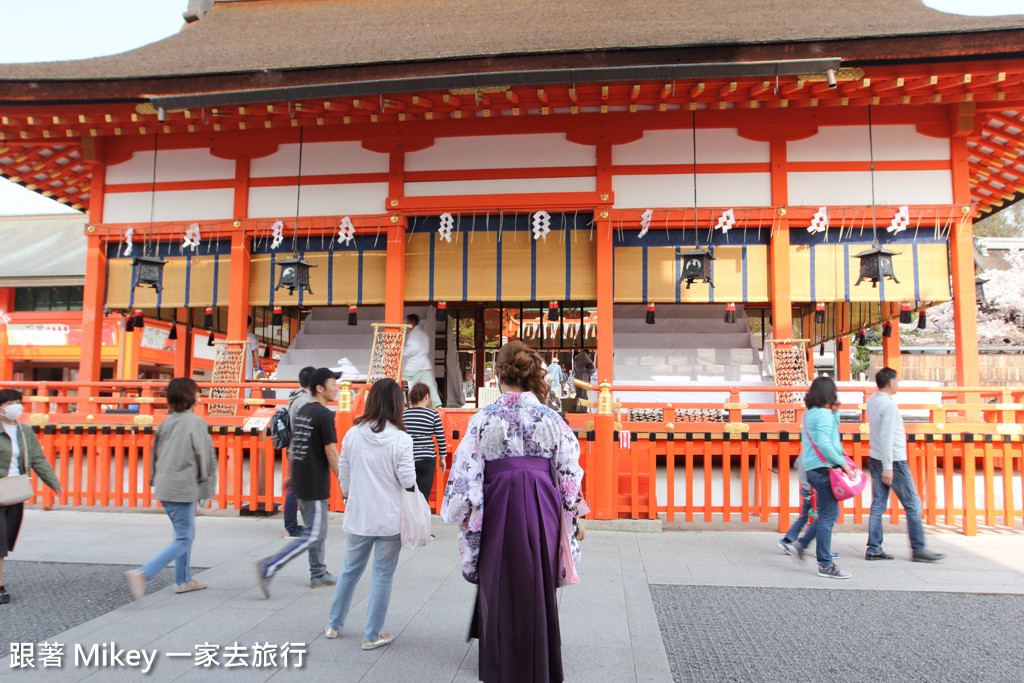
<point x="610" y="622"/>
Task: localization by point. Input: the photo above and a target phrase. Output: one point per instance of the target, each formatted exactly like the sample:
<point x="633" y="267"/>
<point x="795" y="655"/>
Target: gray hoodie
<point x="184" y="462"/>
<point x="374" y="470"/>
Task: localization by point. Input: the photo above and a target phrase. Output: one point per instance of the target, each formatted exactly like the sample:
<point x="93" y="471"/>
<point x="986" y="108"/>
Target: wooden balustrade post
<point x="970" y="519"/>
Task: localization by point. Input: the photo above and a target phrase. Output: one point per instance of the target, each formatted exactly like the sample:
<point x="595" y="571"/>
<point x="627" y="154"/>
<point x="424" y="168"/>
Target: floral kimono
<point x="516" y="425"/>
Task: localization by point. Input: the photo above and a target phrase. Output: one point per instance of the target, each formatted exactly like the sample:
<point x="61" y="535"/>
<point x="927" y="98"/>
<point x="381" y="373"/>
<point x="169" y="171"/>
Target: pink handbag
<point x="843" y="487"/>
<point x="567" y="575"/>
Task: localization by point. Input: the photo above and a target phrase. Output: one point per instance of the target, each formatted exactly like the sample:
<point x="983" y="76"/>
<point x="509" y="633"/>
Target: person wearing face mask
<point x="20" y="452"/>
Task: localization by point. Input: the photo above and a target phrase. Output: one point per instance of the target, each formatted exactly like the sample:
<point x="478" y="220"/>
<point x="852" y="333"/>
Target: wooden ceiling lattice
<point x="43" y="151"/>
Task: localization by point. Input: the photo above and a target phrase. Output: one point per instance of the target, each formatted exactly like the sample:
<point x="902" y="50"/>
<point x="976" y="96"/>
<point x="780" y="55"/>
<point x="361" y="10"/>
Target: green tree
<point x="1006" y="223"/>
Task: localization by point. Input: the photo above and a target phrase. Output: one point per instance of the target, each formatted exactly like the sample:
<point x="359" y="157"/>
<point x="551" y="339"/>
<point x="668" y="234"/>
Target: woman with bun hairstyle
<point x="519" y="461"/>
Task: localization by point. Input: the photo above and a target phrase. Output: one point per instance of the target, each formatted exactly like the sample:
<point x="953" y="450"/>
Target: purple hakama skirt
<point x="518" y="568"/>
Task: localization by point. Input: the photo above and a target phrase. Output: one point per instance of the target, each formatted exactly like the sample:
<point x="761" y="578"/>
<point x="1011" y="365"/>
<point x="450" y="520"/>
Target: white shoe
<point x="331" y="633"/>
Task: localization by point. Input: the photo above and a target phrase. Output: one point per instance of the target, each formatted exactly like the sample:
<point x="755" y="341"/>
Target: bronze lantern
<point x="876" y="265"/>
<point x="148" y="271"/>
<point x="696" y="265"/>
<point x="294" y="274"/>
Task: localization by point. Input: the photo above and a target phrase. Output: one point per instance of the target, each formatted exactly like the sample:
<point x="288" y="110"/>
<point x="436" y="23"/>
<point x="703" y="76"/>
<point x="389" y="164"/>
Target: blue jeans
<point x="291" y="514"/>
<point x="805" y="515"/>
<point x="385" y="559"/>
<point x="903" y="486"/>
<point x="183" y="518"/>
<point x="828" y="512"/>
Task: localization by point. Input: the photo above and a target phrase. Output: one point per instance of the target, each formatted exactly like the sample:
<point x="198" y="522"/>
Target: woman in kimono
<point x="519" y="461"/>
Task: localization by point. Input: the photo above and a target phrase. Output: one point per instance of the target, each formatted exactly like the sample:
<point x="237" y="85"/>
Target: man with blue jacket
<point x="890" y="471"/>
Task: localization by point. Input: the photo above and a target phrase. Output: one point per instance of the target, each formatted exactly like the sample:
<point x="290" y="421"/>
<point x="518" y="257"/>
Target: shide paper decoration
<point x="192" y="238"/>
<point x="726" y="221"/>
<point x="541" y="225"/>
<point x="820" y="221"/>
<point x="447" y="223"/>
<point x="128" y="241"/>
<point x="900" y="221"/>
<point x="645" y="222"/>
<point x="277" y="232"/>
<point x="346" y="231"/>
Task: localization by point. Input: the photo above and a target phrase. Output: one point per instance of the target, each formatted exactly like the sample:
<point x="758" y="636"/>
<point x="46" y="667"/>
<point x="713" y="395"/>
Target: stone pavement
<point x="610" y="622"/>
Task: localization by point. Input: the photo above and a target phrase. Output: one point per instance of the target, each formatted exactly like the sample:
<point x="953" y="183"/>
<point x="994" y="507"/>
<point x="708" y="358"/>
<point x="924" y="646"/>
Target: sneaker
<point x="881" y="555"/>
<point x="798" y="551"/>
<point x="326" y="580"/>
<point x="192" y="585"/>
<point x="786" y="546"/>
<point x="136" y="584"/>
<point x="835" y="556"/>
<point x="382" y="639"/>
<point x="5" y="597"/>
<point x="262" y="580"/>
<point x="927" y="556"/>
<point x="833" y="572"/>
<point x="330" y="633"/>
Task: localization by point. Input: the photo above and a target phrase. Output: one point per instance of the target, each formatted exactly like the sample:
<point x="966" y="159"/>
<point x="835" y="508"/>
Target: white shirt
<point x="373" y="470"/>
<point x="12" y="431"/>
<point x="417" y="351"/>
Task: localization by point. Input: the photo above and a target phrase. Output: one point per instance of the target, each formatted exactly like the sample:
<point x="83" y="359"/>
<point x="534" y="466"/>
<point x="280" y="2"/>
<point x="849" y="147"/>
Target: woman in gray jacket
<point x="184" y="471"/>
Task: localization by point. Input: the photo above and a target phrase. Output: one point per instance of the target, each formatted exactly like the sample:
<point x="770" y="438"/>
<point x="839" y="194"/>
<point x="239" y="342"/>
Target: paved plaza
<point x="686" y="605"/>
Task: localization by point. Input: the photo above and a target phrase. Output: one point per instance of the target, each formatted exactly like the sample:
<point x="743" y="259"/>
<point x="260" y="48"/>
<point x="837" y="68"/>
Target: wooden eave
<point x="48" y="147"/>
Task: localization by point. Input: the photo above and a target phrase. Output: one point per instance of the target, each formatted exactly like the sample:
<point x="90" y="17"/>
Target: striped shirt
<point x="423" y="424"/>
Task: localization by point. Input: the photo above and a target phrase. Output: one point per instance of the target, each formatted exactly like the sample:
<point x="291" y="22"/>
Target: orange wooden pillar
<point x="6" y="306"/>
<point x="891" y="347"/>
<point x="132" y="348"/>
<point x="604" y="471"/>
<point x="92" y="314"/>
<point x="394" y="276"/>
<point x="843" y="372"/>
<point x="961" y="256"/>
<point x="778" y="249"/>
<point x="238" y="297"/>
<point x="183" y="344"/>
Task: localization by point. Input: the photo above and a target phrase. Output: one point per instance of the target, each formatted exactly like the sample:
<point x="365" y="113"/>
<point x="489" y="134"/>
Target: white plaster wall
<point x="500" y="151"/>
<point x="852" y="143"/>
<point x="501" y="186"/>
<point x="319" y="158"/>
<point x="319" y="200"/>
<point x="179" y="205"/>
<point x="713" y="189"/>
<point x="714" y="146"/>
<point x="891" y="187"/>
<point x="172" y="165"/>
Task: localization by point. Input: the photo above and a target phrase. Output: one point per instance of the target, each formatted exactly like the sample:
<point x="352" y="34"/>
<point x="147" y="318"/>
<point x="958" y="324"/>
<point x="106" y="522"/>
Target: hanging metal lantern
<point x="294" y="274"/>
<point x="979" y="291"/>
<point x="876" y="264"/>
<point x="696" y="265"/>
<point x="148" y="271"/>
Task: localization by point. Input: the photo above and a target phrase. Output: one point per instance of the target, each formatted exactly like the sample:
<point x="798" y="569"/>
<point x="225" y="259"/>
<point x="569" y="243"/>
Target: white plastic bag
<point x="415" y="519"/>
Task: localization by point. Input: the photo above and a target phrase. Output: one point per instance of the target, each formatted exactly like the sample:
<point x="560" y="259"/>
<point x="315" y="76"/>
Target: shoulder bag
<point x="843" y="486"/>
<point x="17" y="489"/>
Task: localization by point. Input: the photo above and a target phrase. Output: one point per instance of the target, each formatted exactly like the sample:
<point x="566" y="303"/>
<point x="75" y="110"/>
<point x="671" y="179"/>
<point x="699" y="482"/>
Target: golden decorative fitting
<point x="145" y="399"/>
<point x="38" y="399"/>
<point x="604" y="196"/>
<point x="670" y="427"/>
<point x="865" y="428"/>
<point x="939" y="426"/>
<point x="39" y="418"/>
<point x="605" y="404"/>
<point x="618" y="426"/>
<point x="965" y="209"/>
<point x="737" y="428"/>
<point x="394" y="202"/>
<point x="143" y="420"/>
<point x="734" y="406"/>
<point x="781" y="211"/>
<point x="90" y="229"/>
<point x="238" y="224"/>
<point x="345" y="397"/>
<point x="394" y="219"/>
<point x="90" y="418"/>
<point x="254" y="401"/>
<point x="604" y="214"/>
<point x="1006" y="428"/>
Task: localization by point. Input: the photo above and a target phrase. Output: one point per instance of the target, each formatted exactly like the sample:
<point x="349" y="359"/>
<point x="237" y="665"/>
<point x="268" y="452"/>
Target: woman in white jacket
<point x="375" y="466"/>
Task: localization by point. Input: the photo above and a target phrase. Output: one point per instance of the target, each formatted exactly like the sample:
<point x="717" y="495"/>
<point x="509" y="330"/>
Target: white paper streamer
<point x="900" y="221"/>
<point x="447" y="223"/>
<point x="726" y="220"/>
<point x="820" y="221"/>
<point x="277" y="230"/>
<point x="192" y="237"/>
<point x="541" y="225"/>
<point x="128" y="241"/>
<point x="346" y="231"/>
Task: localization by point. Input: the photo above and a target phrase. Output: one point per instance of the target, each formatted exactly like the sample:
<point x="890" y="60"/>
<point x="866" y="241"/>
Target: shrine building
<point x="526" y="163"/>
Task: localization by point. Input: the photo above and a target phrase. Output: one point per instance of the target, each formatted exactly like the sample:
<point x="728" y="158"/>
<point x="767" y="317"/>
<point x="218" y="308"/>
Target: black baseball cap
<point x="319" y="378"/>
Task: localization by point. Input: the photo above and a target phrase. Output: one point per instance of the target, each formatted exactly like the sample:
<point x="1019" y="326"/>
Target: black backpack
<point x="280" y="428"/>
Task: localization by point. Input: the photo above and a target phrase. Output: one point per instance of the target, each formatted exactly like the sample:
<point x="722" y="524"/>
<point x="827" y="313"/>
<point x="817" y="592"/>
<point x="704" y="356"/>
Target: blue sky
<point x="48" y="30"/>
